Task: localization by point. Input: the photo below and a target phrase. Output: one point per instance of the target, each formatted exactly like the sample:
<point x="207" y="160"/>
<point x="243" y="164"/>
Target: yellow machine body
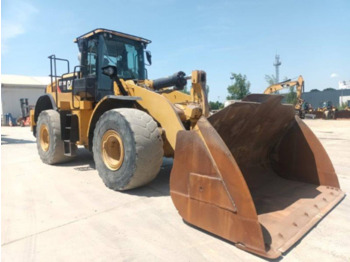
<point x="252" y="173"/>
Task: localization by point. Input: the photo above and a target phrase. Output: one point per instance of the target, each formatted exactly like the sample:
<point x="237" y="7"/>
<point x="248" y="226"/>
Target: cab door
<point x="86" y="85"/>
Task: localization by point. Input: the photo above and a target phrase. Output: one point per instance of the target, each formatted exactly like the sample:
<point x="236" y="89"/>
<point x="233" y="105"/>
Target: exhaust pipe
<point x="178" y="80"/>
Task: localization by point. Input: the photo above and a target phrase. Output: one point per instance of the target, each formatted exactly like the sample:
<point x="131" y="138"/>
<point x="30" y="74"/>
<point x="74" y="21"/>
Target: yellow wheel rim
<point x="112" y="150"/>
<point x="44" y="138"/>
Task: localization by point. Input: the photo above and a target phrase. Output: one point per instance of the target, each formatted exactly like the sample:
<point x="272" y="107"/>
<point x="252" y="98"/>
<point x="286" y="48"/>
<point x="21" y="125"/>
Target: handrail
<point x="53" y="67"/>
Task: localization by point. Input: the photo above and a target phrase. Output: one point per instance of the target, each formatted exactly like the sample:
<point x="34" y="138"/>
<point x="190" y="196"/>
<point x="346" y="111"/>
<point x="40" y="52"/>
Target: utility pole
<point x="277" y="64"/>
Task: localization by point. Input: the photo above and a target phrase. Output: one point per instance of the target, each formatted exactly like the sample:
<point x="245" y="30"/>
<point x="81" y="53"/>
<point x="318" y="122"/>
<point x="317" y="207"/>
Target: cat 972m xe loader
<point x="253" y="173"/>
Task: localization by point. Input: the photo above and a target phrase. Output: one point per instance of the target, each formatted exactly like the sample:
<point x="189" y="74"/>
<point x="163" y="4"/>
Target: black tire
<point x="48" y="138"/>
<point x="127" y="148"/>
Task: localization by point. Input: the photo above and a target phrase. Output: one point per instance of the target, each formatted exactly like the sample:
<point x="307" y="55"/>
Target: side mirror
<point x="149" y="57"/>
<point x="110" y="71"/>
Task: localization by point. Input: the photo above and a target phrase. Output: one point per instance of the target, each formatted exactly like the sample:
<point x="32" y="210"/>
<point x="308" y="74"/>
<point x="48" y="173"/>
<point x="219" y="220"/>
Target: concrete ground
<point x="65" y="213"/>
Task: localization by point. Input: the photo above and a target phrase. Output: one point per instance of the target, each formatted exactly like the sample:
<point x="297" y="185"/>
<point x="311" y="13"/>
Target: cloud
<point x="334" y="75"/>
<point x="16" y="18"/>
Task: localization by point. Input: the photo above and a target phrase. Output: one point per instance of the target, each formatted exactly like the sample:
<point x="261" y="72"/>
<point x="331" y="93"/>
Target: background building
<point x="316" y="98"/>
<point x="15" y="87"/>
<point x="344" y="84"/>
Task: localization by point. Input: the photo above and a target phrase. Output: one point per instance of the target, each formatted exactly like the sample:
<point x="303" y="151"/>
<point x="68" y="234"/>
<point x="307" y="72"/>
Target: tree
<point x="291" y="97"/>
<point x="314" y="90"/>
<point x="329" y="89"/>
<point x="215" y="105"/>
<point x="344" y="105"/>
<point x="270" y="79"/>
<point x="240" y="88"/>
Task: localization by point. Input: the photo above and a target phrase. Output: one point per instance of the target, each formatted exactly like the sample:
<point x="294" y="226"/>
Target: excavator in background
<point x="301" y="107"/>
<point x="252" y="173"/>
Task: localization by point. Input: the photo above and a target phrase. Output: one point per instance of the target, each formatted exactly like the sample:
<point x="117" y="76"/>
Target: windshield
<point x="126" y="55"/>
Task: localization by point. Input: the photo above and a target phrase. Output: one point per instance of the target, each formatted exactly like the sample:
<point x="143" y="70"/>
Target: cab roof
<point x="102" y="30"/>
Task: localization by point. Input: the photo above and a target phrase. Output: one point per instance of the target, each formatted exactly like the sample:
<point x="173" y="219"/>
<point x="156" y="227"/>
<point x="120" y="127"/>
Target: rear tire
<point x="127" y="148"/>
<point x="48" y="139"/>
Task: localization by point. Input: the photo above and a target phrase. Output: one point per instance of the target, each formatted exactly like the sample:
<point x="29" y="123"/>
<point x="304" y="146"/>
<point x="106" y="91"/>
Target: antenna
<point x="277" y="64"/>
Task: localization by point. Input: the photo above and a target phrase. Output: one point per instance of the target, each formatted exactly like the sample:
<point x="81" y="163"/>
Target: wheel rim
<point x="44" y="138"/>
<point x="112" y="150"/>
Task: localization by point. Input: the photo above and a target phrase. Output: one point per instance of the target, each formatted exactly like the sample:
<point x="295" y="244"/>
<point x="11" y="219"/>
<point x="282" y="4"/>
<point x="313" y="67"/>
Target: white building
<point x="15" y="87"/>
<point x="344" y="84"/>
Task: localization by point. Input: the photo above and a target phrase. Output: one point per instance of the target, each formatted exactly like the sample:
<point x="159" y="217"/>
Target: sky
<point x="311" y="37"/>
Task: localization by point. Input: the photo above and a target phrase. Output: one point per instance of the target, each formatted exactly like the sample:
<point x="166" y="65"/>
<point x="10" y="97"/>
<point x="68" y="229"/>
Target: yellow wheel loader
<point x="253" y="173"/>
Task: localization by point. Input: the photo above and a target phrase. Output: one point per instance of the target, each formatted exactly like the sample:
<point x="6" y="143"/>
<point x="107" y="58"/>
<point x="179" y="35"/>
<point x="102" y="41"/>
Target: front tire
<point x="127" y="148"/>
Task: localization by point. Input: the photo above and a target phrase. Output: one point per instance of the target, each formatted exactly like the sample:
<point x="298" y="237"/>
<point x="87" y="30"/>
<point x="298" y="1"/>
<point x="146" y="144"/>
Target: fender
<point x="44" y="102"/>
<point x="107" y="103"/>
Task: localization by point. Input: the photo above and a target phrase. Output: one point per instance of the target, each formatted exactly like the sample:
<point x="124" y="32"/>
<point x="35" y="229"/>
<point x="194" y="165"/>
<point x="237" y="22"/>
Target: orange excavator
<point x="301" y="107"/>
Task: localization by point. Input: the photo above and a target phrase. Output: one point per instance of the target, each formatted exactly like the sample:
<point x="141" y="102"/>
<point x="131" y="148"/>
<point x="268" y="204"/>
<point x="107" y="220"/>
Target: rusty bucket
<point x="253" y="174"/>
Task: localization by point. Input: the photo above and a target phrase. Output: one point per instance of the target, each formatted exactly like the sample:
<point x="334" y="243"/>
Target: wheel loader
<point x="252" y="173"/>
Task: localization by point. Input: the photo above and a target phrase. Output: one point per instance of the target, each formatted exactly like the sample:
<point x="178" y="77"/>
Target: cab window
<point x="91" y="58"/>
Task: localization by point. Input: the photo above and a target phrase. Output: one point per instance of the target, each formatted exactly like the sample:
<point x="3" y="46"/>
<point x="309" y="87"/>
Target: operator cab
<point x="100" y="48"/>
